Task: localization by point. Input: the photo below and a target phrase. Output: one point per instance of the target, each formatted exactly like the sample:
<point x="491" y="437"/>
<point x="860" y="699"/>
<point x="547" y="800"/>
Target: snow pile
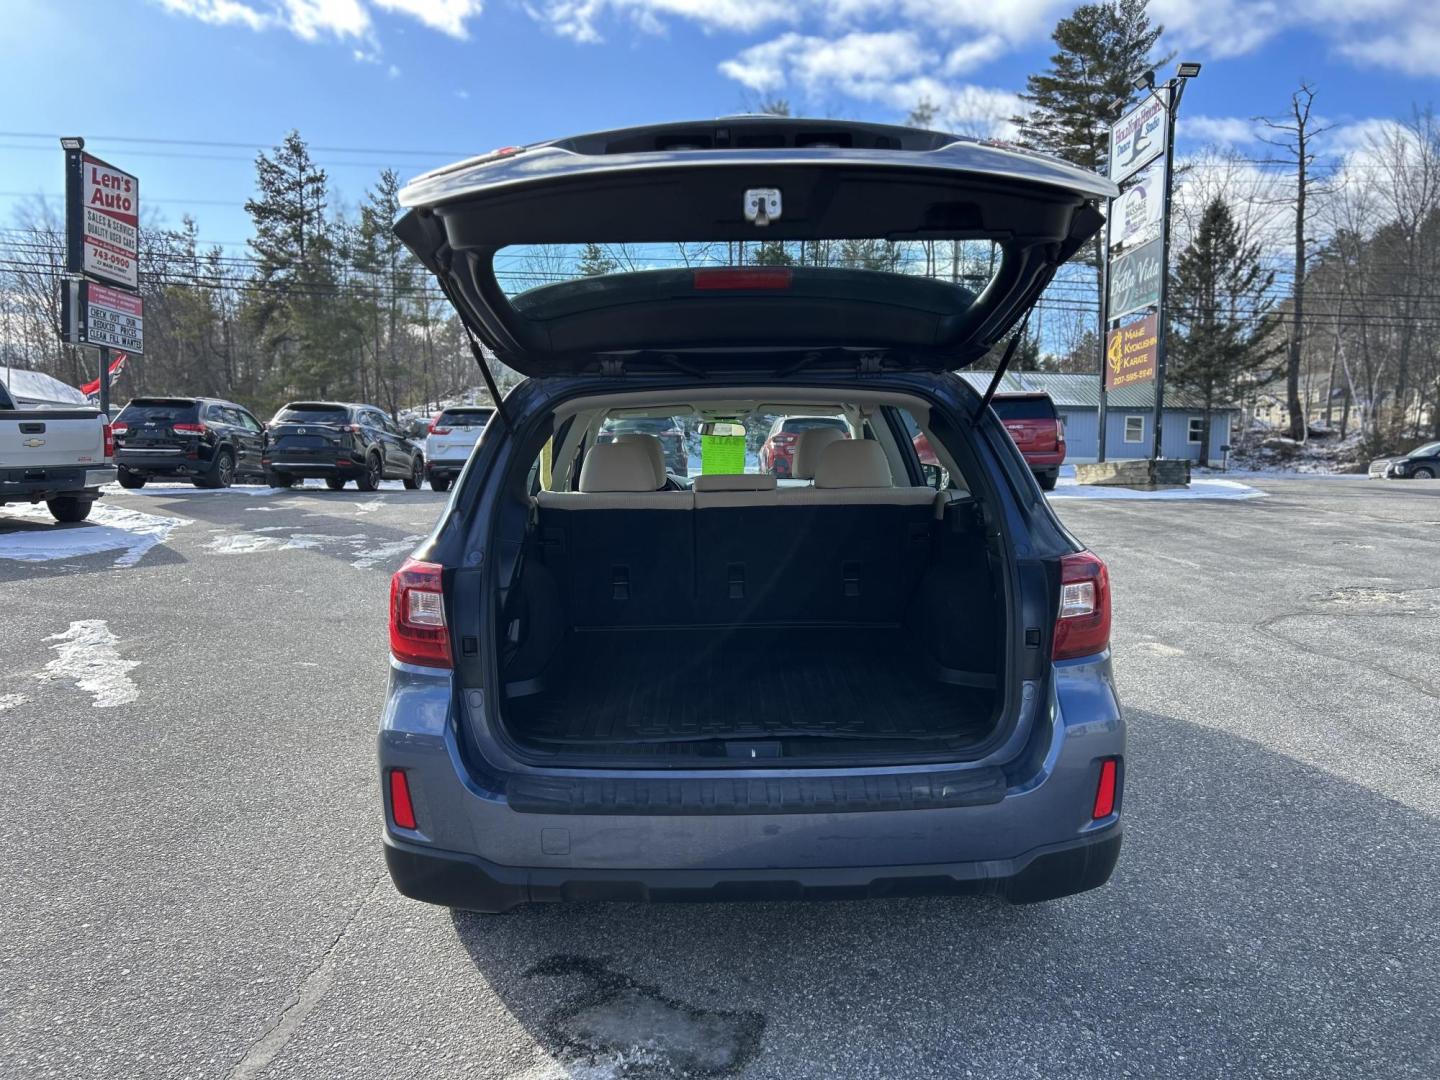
<point x="88" y="658"/>
<point x="109" y="528"/>
<point x="1263" y="449"/>
<point x="1068" y="488"/>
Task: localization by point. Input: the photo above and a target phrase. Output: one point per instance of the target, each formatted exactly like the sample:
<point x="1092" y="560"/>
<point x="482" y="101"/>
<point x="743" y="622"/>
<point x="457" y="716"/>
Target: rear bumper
<point x="319" y="470"/>
<point x="1044" y="462"/>
<point x="37" y="485"/>
<point x="162" y="463"/>
<point x="443" y="470"/>
<point x="468" y="881"/>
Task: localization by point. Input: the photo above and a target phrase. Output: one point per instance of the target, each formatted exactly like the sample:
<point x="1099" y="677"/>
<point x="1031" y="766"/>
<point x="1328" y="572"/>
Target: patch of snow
<point x="243" y="544"/>
<point x="385" y="552"/>
<point x="11" y="701"/>
<point x="88" y="657"/>
<point x="170" y="490"/>
<point x="369" y="507"/>
<point x="1067" y="488"/>
<point x="109" y="528"/>
<point x="1159" y="648"/>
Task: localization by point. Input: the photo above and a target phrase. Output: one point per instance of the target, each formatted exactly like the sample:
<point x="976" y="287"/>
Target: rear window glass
<point x="967" y="264"/>
<point x="312" y="414"/>
<point x="140" y="412"/>
<point x="464" y="418"/>
<point x="1024" y="408"/>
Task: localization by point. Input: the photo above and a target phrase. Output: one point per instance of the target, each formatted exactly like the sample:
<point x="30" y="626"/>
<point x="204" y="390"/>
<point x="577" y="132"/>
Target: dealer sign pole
<point x="1174" y="90"/>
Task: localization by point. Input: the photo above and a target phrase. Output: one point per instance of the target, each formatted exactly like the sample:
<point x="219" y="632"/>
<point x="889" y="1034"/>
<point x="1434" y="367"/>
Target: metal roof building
<point x="1128" y="419"/>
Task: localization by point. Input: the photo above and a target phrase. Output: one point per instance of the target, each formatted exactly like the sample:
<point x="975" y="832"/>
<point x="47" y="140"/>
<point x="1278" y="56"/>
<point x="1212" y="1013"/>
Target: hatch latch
<point x="762" y="205"/>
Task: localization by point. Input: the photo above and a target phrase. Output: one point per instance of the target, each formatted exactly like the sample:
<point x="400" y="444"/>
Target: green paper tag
<point x="722" y="454"/>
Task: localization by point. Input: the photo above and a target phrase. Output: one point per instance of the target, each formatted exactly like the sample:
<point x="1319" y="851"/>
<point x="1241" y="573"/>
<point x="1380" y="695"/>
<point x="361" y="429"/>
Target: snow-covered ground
<point x="1068" y="488"/>
<point x="128" y="533"/>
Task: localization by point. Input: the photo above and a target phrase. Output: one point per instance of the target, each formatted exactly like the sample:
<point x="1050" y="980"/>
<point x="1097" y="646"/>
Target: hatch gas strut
<point x="1000" y="371"/>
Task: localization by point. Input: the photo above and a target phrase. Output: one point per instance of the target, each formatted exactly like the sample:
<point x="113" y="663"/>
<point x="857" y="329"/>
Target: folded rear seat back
<point x="625" y="555"/>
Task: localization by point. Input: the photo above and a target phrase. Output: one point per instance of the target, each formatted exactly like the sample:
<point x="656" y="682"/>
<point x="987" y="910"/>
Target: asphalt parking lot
<point x="191" y="882"/>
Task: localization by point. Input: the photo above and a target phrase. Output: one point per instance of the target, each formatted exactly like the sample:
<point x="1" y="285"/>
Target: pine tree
<point x="595" y="263"/>
<point x="293" y="295"/>
<point x="391" y="286"/>
<point x="1102" y="49"/>
<point x="1220" y="321"/>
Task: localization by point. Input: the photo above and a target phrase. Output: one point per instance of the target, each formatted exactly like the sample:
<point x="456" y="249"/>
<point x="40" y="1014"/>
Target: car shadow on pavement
<point x="1266" y="918"/>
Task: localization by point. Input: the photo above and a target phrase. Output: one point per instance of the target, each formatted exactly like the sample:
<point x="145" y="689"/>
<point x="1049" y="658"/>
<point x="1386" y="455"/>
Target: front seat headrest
<point x="617" y="466"/>
<point x="808" y="450"/>
<point x="853" y="463"/>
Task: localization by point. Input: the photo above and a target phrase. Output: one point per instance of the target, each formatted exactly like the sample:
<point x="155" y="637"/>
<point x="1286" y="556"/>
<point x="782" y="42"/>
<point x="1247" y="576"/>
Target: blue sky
<point x="415" y="83"/>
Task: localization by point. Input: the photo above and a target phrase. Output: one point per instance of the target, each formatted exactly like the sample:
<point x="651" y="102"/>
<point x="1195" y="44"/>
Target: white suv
<point x="453" y="434"/>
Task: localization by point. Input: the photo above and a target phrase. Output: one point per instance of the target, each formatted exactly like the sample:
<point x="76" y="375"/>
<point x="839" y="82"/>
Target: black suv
<point x="212" y="443"/>
<point x="339" y="442"/>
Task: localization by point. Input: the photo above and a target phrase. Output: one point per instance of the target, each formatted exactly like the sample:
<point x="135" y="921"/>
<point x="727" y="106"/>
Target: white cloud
<point x="1218" y="130"/>
<point x="219" y="12"/>
<point x="314" y="20"/>
<point x="447" y="16"/>
<point x="1415" y="51"/>
<point x="580" y="19"/>
<point x="973" y="54"/>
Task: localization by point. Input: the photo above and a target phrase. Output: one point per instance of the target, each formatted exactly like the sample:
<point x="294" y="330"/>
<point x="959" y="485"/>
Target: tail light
<point x="108" y="436"/>
<point x="1105" y="790"/>
<point x="1082" y="627"/>
<point x="418" y="634"/>
<point x="402" y="810"/>
<point x="1060" y="433"/>
<point x="435" y="428"/>
<point x="188" y="429"/>
<point x="119" y="427"/>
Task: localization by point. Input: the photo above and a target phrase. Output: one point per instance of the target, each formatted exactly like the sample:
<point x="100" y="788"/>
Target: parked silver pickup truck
<point x="59" y="456"/>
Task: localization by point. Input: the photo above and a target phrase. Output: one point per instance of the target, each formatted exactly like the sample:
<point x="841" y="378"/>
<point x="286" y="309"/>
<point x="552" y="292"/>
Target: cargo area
<point x="837" y="616"/>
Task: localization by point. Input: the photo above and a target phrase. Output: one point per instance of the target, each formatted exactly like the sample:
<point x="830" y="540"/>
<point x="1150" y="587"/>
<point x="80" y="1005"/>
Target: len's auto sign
<point x="102" y="210"/>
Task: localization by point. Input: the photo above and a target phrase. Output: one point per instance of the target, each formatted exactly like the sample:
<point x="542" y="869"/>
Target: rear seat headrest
<point x="653" y="448"/>
<point x="853" y="463"/>
<point x="618" y="466"/>
<point x="808" y="450"/>
<point x="734" y="482"/>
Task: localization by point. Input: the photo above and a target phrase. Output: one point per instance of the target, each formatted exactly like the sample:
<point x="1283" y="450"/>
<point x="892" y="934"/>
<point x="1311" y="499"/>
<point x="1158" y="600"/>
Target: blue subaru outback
<point x="615" y="679"/>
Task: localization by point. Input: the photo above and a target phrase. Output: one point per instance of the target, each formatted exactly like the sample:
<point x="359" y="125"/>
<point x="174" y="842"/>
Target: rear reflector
<point x="743" y="278"/>
<point x="401" y="809"/>
<point x="1082" y="626"/>
<point x="1105" y="792"/>
<point x="418" y="634"/>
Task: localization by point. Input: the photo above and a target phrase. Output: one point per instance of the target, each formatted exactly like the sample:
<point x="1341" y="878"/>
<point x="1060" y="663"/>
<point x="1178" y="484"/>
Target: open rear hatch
<point x="755" y="244"/>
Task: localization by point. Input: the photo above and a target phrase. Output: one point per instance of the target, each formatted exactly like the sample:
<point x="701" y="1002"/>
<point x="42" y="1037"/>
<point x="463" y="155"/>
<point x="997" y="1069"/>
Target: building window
<point x="1197" y="423"/>
<point x="1134" y="429"/>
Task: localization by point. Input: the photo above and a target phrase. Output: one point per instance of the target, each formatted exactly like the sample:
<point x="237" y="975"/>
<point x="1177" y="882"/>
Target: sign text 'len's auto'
<point x="102" y="206"/>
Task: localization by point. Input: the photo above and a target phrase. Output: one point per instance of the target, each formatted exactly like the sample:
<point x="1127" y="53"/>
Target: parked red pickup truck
<point x="1036" y="428"/>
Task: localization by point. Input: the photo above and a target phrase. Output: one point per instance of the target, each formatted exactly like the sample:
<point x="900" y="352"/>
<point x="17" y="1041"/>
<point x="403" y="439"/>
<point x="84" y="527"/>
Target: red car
<point x="777" y="453"/>
<point x="1036" y="427"/>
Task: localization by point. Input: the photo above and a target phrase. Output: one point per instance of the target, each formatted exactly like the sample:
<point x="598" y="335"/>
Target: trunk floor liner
<point x="685" y="685"/>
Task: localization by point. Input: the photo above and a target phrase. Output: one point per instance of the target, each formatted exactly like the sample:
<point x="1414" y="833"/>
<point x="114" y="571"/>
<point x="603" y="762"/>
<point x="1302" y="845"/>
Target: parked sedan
<point x="211" y="443"/>
<point x="1422" y="463"/>
<point x="777" y="452"/>
<point x="339" y="442"/>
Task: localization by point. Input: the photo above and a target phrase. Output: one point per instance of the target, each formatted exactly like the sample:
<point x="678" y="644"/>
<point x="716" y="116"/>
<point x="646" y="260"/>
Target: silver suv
<point x="878" y="676"/>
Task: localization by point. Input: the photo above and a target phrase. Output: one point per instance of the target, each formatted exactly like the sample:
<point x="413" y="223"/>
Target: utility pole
<point x="1173" y="91"/>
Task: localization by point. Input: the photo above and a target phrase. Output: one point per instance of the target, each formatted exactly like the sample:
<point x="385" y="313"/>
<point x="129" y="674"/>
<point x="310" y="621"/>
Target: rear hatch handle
<point x="1000" y="371"/>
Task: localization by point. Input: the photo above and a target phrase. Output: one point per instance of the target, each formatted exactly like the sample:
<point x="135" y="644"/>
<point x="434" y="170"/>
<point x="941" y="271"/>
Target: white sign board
<point x="102" y="220"/>
<point x="1137" y="214"/>
<point x="1138" y="137"/>
<point x="92" y="314"/>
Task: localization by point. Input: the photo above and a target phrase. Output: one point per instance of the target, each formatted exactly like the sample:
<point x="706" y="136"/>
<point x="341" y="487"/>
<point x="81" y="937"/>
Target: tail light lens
<point x="402" y="810"/>
<point x="1082" y="627"/>
<point x="108" y="437"/>
<point x="188" y="429"/>
<point x="435" y="428"/>
<point x="418" y="634"/>
<point x="119" y="427"/>
<point x="1105" y="790"/>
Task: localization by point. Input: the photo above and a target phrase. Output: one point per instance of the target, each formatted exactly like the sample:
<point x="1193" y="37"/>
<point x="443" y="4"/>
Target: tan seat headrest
<point x="853" y="463"/>
<point x="808" y="450"/>
<point x="618" y="466"/>
<point x="654" y="448"/>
